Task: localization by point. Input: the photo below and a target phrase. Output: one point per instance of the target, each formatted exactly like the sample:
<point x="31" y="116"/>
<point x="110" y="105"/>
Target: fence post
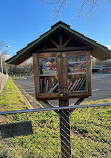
<point x="65" y="130"/>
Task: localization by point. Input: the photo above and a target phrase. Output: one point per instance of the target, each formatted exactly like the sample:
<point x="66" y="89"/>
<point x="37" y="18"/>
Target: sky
<point x="22" y="21"/>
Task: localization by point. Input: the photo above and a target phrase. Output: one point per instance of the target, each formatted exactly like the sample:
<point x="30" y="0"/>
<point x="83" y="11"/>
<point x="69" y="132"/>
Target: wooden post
<point x="65" y="130"/>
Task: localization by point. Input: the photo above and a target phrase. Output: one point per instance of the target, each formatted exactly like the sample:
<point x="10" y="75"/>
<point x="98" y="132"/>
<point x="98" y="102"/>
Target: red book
<point x="69" y="82"/>
<point x="45" y="80"/>
<point x="76" y="84"/>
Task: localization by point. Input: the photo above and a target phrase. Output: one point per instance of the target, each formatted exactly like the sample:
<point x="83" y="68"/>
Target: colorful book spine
<point x="69" y="81"/>
<point x="76" y="84"/>
<point x="69" y="84"/>
<point x="73" y="85"/>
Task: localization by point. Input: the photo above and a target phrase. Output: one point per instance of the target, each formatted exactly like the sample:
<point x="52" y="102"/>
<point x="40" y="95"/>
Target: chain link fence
<point x="90" y="131"/>
<point x="87" y="131"/>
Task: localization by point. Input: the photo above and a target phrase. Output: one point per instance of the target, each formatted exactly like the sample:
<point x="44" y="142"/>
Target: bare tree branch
<point x="2" y="44"/>
<point x="87" y="6"/>
<point x="50" y="1"/>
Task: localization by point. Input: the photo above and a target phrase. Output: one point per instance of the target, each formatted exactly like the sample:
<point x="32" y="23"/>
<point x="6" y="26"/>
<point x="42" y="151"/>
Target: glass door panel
<point x="48" y="75"/>
<point x="76" y="73"/>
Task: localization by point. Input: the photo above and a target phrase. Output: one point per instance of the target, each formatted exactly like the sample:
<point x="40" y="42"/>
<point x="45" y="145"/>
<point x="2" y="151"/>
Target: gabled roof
<point x="98" y="51"/>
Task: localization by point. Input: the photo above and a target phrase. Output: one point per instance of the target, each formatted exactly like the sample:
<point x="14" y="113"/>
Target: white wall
<point x="3" y="80"/>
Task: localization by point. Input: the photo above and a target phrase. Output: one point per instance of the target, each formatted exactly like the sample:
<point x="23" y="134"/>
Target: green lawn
<point x="90" y="130"/>
<point x="11" y="98"/>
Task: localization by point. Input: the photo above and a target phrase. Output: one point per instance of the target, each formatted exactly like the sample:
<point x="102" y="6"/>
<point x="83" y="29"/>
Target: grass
<point x="11" y="98"/>
<point x="90" y="130"/>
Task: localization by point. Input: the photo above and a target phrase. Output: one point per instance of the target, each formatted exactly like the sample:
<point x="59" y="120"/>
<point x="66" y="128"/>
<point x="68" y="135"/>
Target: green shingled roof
<point x="99" y="51"/>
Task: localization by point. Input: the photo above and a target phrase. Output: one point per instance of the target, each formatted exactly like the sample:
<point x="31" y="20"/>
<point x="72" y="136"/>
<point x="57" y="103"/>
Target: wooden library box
<point x="62" y="75"/>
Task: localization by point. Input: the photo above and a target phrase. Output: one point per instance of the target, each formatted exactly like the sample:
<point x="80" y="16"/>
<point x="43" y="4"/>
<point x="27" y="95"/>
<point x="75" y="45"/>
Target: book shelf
<point x="76" y="73"/>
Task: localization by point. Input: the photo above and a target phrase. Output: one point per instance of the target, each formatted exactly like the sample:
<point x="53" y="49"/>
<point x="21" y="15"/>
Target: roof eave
<point x="28" y="47"/>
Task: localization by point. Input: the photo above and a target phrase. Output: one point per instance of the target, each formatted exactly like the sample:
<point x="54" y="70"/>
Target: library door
<point x="63" y="75"/>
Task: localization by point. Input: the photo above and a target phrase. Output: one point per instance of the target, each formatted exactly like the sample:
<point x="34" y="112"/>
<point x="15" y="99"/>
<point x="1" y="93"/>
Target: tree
<point x="96" y="62"/>
<point x="3" y="57"/>
<point x="26" y="69"/>
<point x="87" y="6"/>
<point x="2" y="44"/>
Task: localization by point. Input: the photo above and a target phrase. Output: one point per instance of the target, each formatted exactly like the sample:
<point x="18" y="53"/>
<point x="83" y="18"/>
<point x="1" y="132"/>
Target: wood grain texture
<point x="36" y="77"/>
<point x="89" y="73"/>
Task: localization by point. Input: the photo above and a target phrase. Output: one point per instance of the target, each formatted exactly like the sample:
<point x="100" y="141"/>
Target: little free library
<point x="62" y="62"/>
<point x="62" y="70"/>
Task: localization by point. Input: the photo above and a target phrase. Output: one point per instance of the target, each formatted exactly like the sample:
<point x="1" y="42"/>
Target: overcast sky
<point x="22" y="21"/>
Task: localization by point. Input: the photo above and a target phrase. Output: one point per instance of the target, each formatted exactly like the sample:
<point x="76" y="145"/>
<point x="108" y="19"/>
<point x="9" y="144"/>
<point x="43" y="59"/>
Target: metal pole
<point x="54" y="108"/>
<point x="6" y="69"/>
<point x="65" y="130"/>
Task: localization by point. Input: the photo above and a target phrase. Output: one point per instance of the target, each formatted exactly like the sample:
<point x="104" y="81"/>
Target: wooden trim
<point x="48" y="96"/>
<point x="63" y="49"/>
<point x="77" y="94"/>
<point x="54" y="97"/>
<point x="89" y="73"/>
<point x="66" y="43"/>
<point x="36" y="78"/>
<point x="74" y="53"/>
<point x="54" y="43"/>
<point x="46" y="55"/>
<point x="70" y="53"/>
<point x="60" y="39"/>
<point x="62" y="72"/>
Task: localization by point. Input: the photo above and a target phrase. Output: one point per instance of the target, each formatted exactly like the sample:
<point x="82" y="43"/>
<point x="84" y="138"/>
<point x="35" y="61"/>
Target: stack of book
<point x="77" y="85"/>
<point x="77" y="67"/>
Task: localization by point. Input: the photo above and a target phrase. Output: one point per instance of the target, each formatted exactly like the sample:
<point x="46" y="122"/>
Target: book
<point x="69" y="81"/>
<point x="78" y="80"/>
<point x="53" y="88"/>
<point x="69" y="84"/>
<point x="73" y="85"/>
<point x="78" y="86"/>
<point x="47" y="86"/>
<point x="82" y="84"/>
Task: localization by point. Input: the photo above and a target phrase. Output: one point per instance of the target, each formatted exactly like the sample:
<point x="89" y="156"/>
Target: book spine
<point x="69" y="84"/>
<point x="73" y="85"/>
<point x="84" y="80"/>
<point x="76" y="84"/>
<point x="47" y="86"/>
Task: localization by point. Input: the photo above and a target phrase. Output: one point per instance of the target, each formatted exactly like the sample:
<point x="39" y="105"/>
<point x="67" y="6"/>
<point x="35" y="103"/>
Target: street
<point x="101" y="87"/>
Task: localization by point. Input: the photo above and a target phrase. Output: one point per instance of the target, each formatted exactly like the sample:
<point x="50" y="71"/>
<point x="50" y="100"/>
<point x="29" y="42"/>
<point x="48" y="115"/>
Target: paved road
<point x="101" y="87"/>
